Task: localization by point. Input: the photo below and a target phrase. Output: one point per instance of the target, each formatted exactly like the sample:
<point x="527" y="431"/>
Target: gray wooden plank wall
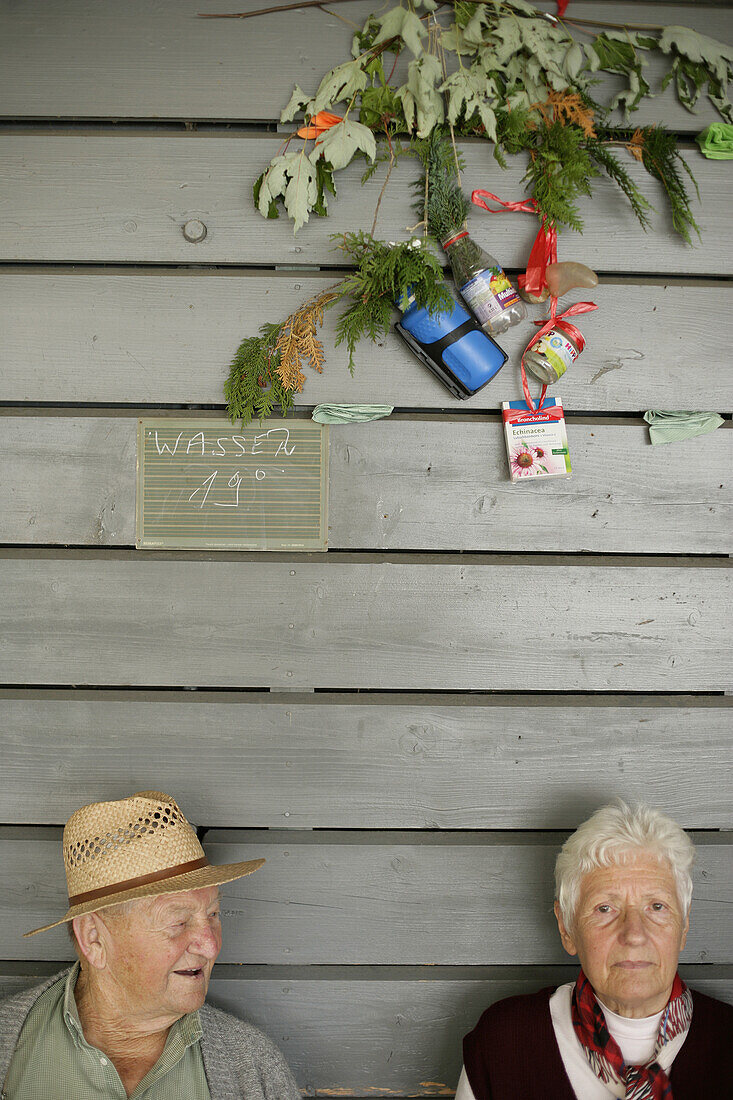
<point x="126" y="197"/>
<point x="161" y="62"/>
<point x="408" y="726"/>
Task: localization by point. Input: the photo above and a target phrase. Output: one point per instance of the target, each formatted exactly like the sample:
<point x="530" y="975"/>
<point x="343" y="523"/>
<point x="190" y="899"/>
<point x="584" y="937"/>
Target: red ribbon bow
<point x="556" y="320"/>
<point x="544" y="249"/>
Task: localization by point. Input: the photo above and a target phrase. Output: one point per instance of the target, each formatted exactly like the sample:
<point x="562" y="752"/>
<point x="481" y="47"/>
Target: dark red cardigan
<point x="512" y="1053"/>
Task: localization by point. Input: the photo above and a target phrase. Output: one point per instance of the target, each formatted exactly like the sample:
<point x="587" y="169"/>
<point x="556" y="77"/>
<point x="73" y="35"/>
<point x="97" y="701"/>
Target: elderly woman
<point x="629" y="1026"/>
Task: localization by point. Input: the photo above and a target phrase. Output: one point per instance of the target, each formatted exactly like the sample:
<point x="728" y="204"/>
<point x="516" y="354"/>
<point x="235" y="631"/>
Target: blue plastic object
<point x="453" y="346"/>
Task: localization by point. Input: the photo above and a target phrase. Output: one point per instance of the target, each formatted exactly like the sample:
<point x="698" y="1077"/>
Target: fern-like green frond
<point x="253" y="388"/>
<point x="447" y="206"/>
<point x="602" y="155"/>
<point x="384" y="275"/>
<point x="662" y="159"/>
<point x="559" y="171"/>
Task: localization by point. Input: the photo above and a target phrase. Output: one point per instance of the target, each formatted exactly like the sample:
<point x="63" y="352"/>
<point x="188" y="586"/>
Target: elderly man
<point x="628" y="1027"/>
<point x="130" y="1018"/>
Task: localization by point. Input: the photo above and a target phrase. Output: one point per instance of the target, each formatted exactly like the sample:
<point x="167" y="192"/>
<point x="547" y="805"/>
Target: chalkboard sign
<point x="204" y="484"/>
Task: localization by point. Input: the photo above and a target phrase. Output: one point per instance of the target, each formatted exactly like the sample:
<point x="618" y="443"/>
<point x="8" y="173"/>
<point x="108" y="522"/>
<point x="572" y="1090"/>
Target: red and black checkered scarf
<point x="649" y="1082"/>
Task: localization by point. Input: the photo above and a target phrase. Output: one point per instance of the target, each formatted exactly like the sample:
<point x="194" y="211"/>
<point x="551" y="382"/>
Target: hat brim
<point x="190" y="880"/>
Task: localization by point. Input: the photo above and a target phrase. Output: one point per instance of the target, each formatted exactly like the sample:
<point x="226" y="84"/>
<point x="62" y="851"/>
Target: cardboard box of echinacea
<point x="536" y="441"/>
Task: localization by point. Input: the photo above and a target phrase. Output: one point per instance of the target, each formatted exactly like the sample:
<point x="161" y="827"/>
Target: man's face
<point x="160" y="953"/>
<point x="628" y="932"/>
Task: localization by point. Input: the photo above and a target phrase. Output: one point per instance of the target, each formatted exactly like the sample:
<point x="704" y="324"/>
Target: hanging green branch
<point x="507" y="63"/>
<point x="659" y="154"/>
<point x="447" y="206"/>
<point x="253" y="388"/>
<point x="520" y="82"/>
<point x="604" y="158"/>
<point x="385" y="274"/>
<point x="267" y="370"/>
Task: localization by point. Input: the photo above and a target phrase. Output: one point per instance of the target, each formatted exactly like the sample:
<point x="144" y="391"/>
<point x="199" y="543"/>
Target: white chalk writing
<point x="226" y="444"/>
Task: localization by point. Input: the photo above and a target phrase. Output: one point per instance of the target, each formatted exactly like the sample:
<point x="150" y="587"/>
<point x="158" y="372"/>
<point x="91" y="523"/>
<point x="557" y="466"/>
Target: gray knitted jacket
<point x="240" y="1062"/>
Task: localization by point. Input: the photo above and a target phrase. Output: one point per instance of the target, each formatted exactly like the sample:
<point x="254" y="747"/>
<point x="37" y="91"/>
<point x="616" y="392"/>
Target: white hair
<point x="618" y="833"/>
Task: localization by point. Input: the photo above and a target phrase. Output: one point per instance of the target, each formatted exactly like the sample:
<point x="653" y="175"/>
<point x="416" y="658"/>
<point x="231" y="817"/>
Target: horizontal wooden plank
<point x="440" y="488"/>
<point x="154" y="620"/>
<point x="94" y="473"/>
<point x="169" y="339"/>
<point x="355" y="1037"/>
<point x="360" y="898"/>
<point x="531" y="764"/>
<point x="100" y="60"/>
<point x="380" y="1039"/>
<point x="126" y="198"/>
<point x="359" y="903"/>
<point x="400" y="485"/>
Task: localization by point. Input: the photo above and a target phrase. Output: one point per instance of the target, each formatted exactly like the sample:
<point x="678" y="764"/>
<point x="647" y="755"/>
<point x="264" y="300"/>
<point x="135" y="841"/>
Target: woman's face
<point x="628" y="932"/>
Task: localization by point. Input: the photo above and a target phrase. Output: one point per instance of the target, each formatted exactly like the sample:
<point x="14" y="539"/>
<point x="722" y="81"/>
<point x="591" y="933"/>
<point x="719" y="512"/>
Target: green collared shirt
<point x="53" y="1060"/>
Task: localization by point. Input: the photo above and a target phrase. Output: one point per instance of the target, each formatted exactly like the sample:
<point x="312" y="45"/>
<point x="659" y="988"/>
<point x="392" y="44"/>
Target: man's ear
<point x="567" y="940"/>
<point x="91" y="936"/>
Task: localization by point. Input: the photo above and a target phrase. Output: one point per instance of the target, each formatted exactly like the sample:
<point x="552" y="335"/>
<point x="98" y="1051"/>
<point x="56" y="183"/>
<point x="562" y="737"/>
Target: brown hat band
<point x="141" y="880"/>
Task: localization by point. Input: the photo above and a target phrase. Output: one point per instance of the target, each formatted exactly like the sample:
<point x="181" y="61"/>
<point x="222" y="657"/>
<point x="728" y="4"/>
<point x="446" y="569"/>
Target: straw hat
<point x="135" y="848"/>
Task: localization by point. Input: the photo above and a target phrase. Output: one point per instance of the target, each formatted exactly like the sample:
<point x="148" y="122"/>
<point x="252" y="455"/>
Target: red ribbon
<point x="528" y="206"/>
<point x="556" y="320"/>
<point x="561" y="6"/>
<point x="544" y="249"/>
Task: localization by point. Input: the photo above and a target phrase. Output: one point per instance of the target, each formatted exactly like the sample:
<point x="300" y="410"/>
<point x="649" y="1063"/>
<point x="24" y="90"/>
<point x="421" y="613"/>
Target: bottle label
<point x="557" y="350"/>
<point x="489" y="293"/>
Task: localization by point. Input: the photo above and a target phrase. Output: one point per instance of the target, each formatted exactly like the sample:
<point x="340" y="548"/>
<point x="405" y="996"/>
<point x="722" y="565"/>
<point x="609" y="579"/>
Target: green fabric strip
<point x="716" y="142"/>
<point x="350" y="414"/>
<point x="670" y="427"/>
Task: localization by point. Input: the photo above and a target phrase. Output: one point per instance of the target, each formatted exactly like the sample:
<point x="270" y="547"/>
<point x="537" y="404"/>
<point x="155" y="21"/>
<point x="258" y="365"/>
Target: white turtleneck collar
<point x="636" y="1038"/>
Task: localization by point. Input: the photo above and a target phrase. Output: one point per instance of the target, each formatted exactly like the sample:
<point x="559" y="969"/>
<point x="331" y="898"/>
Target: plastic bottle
<point x="483" y="284"/>
<point x="452" y="345"/>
